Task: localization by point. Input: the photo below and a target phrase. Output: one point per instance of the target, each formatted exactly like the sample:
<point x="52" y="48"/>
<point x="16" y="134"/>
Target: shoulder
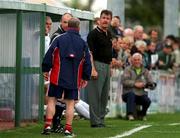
<point x="58" y="37"/>
<point x="94" y="31"/>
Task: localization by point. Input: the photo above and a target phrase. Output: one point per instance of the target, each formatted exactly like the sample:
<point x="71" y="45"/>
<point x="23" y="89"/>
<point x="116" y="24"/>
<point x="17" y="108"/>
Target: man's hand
<point x="83" y="84"/>
<point x="94" y="74"/>
<point x="161" y="63"/>
<point x="139" y="84"/>
<point x="46" y="76"/>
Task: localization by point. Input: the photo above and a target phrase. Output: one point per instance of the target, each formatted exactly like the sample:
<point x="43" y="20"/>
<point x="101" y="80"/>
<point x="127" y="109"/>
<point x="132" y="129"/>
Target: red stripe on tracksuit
<point x="54" y="77"/>
<point x="80" y="72"/>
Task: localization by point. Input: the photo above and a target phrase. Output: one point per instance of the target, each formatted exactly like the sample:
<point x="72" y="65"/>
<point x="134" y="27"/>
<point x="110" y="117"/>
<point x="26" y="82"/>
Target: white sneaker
<point x="68" y="134"/>
<point x="130" y="117"/>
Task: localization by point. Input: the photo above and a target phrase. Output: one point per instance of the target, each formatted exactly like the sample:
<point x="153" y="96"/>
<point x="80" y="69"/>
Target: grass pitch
<point x="161" y="126"/>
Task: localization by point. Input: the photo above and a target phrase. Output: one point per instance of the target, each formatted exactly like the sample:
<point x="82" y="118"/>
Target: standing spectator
<point x="96" y="22"/>
<point x="128" y="32"/>
<point x="165" y="59"/>
<point x="154" y="35"/>
<point x="47" y="30"/>
<point x="152" y="55"/>
<point x="99" y="41"/>
<point x="138" y="32"/>
<point x="134" y="80"/>
<point x="63" y="25"/>
<point x="176" y="54"/>
<point x="169" y="40"/>
<point x="115" y="27"/>
<point x="63" y="59"/>
<point x="141" y="48"/>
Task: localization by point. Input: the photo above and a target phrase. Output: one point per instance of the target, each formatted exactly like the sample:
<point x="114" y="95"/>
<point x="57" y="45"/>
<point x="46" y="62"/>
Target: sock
<point x="48" y="122"/>
<point x="68" y="127"/>
<point x="57" y="116"/>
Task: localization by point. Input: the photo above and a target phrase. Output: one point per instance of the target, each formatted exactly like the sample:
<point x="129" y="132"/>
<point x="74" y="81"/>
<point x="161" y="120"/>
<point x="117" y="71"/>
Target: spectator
<point x="47" y="30"/>
<point x="99" y="41"/>
<point x="128" y="32"/>
<point x="176" y="55"/>
<point x="126" y="51"/>
<point x="116" y="48"/>
<point x="169" y="40"/>
<point x="96" y="22"/>
<point x="152" y="56"/>
<point x="138" y="32"/>
<point x="115" y="27"/>
<point x="154" y="35"/>
<point x="63" y="60"/>
<point x="134" y="80"/>
<point x="141" y="48"/>
<point x="165" y="61"/>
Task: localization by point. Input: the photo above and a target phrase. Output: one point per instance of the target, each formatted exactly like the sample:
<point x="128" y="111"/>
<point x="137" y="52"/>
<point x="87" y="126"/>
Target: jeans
<point x="132" y="100"/>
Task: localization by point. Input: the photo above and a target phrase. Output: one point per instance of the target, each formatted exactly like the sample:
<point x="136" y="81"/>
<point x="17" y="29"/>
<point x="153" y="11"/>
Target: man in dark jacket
<point x="64" y="59"/>
<point x="60" y="106"/>
<point x="63" y="25"/>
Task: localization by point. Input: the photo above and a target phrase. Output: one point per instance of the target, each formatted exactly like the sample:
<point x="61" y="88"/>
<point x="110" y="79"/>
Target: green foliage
<point x="145" y="12"/>
<point x="76" y="4"/>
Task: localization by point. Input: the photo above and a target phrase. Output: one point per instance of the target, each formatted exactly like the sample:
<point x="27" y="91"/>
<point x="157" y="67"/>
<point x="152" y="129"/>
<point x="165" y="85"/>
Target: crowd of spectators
<point x="157" y="53"/>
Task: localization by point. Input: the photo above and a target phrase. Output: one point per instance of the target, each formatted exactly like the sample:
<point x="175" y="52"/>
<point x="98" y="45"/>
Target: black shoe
<point x="102" y="125"/>
<point x="46" y="131"/>
<point x="58" y="129"/>
<point x="98" y="126"/>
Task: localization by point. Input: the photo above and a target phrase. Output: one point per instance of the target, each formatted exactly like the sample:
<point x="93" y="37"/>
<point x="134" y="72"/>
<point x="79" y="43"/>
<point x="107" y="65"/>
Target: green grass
<point x="160" y="128"/>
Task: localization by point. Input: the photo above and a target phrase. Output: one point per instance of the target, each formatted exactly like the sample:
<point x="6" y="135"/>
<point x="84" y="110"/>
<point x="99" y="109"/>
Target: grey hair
<point x="140" y="43"/>
<point x="138" y="27"/>
<point x="48" y="18"/>
<point x="137" y="55"/>
<point x="74" y="22"/>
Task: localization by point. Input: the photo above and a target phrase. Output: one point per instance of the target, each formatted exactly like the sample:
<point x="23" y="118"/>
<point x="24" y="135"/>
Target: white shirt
<point x="47" y="42"/>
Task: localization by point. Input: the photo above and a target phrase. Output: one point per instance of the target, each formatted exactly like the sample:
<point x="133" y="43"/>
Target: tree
<point x="79" y="4"/>
<point x="145" y="12"/>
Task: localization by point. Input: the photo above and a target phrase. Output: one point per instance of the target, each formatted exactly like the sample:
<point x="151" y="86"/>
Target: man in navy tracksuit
<point x="64" y="59"/>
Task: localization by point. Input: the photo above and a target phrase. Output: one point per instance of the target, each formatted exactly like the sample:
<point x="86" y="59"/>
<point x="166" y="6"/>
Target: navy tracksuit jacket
<point x="68" y="58"/>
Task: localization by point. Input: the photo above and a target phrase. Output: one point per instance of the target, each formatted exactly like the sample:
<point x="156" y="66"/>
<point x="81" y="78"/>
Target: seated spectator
<point x="134" y="80"/>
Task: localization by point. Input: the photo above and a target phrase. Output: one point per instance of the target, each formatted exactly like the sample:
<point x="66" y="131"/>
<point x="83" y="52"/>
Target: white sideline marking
<point x="174" y="124"/>
<point x="130" y="132"/>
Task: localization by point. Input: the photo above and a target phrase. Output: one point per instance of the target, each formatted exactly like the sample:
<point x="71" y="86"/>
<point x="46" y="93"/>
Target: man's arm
<point x="87" y="66"/>
<point x="48" y="58"/>
<point x="91" y="40"/>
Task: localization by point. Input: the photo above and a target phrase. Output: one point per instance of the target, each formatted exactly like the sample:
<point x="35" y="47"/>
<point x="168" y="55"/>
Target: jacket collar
<point x="73" y="30"/>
